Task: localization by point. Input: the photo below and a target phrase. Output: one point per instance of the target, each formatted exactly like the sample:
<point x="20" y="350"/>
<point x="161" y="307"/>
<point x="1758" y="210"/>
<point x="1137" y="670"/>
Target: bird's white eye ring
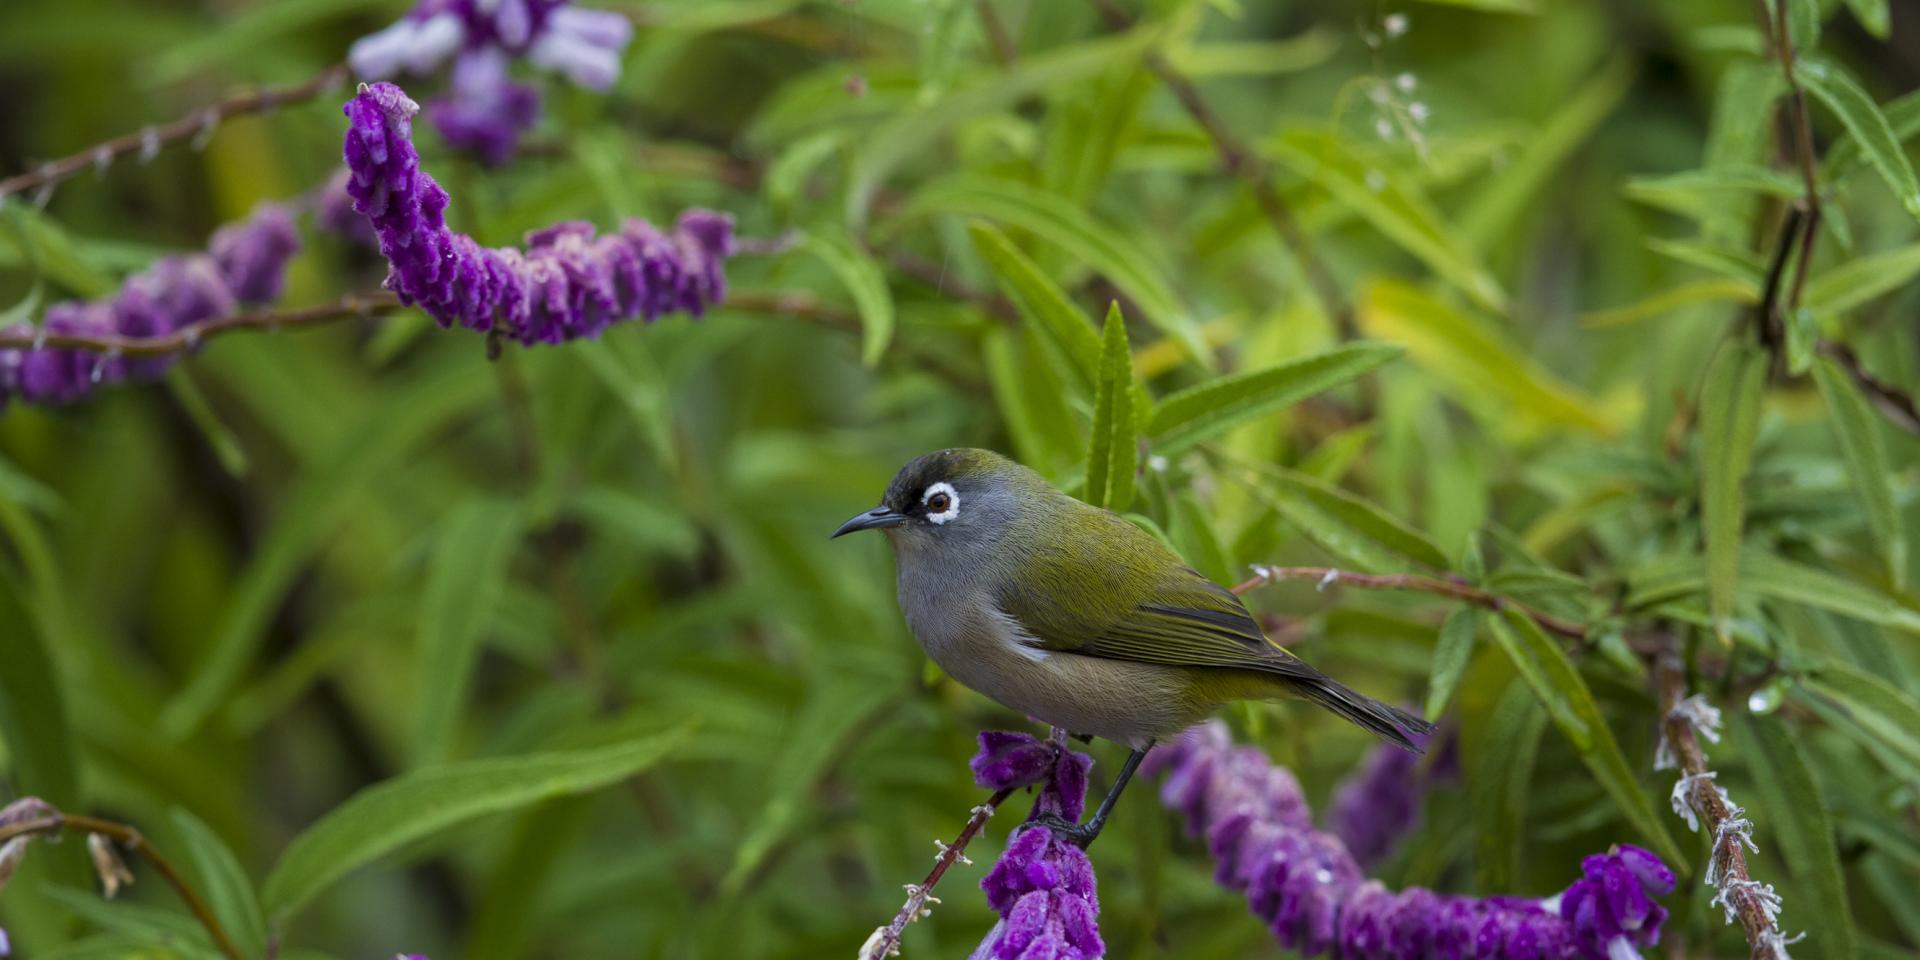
<point x="942" y="502"/>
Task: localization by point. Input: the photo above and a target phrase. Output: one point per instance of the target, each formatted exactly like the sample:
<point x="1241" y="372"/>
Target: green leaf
<point x="1500" y="755"/>
<point x="33" y="716"/>
<point x="1866" y="452"/>
<point x="39" y="240"/>
<point x="317" y="504"/>
<point x="1857" y="280"/>
<point x="465" y="571"/>
<point x="389" y="815"/>
<point x="1833" y="86"/>
<point x="1505" y="197"/>
<point x="1212" y="407"/>
<point x="1873" y="17"/>
<point x="1684" y="295"/>
<point x="1345" y="524"/>
<point x="1738" y="265"/>
<point x="1397" y="209"/>
<point x="1883" y="717"/>
<point x="1450" y="657"/>
<point x="1031" y="402"/>
<point x="1554" y="680"/>
<point x="864" y="279"/>
<point x="1781" y="579"/>
<point x="225" y="443"/>
<point x="1099" y="246"/>
<point x="1114" y="445"/>
<point x="224" y="884"/>
<point x="1729" y="418"/>
<point x="1795" y="814"/>
<point x="1042" y="304"/>
<point x="908" y="132"/>
<point x="1475" y="361"/>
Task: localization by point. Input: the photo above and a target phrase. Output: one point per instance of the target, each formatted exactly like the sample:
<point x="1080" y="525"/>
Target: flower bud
<point x="107" y="863"/>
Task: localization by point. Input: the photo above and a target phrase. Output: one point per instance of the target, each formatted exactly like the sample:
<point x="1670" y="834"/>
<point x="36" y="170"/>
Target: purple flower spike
<point x="6" y="946"/>
<point x="485" y="113"/>
<point x="1042" y="886"/>
<point x="246" y="261"/>
<point x="253" y="254"/>
<point x="1379" y="804"/>
<point x="1009" y="761"/>
<point x="567" y="284"/>
<point x="1312" y="894"/>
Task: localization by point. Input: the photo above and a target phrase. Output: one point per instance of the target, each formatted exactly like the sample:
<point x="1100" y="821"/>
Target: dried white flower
<point x="1395" y="25"/>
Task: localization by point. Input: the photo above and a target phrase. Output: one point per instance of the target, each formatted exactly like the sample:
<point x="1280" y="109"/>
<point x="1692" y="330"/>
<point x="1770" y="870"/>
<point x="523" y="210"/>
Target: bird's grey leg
<point x="1083" y="834"/>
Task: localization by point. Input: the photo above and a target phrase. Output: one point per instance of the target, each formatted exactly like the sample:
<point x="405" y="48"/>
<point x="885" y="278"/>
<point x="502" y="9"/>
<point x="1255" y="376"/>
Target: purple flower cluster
<point x="1042" y="886"/>
<point x="484" y="110"/>
<point x="1378" y="804"/>
<point x="1316" y="899"/>
<point x="567" y="284"/>
<point x="245" y="262"/>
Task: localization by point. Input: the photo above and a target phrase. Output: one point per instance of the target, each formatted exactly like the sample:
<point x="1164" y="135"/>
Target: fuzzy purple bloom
<point x="1042" y="887"/>
<point x="568" y="283"/>
<point x="1315" y="898"/>
<point x="1379" y="804"/>
<point x="253" y="253"/>
<point x="333" y="212"/>
<point x="246" y="261"/>
<point x="484" y="112"/>
<point x="584" y="45"/>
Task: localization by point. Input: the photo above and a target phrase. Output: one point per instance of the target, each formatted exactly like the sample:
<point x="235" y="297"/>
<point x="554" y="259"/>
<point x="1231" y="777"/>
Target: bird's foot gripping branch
<point x="1301" y="881"/>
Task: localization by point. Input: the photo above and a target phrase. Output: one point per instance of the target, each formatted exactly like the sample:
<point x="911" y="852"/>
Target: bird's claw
<point x="1078" y="834"/>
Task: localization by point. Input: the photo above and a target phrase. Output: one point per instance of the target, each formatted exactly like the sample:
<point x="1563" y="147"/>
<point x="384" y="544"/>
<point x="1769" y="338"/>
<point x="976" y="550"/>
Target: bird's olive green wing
<point x="1111" y="590"/>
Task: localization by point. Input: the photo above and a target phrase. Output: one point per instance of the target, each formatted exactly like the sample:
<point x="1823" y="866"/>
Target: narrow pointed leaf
<point x="865" y="282"/>
<point x="468" y="565"/>
<point x="1450" y="657"/>
<point x="224" y="883"/>
<point x="1347" y="525"/>
<point x="1570" y="703"/>
<point x="1866" y="452"/>
<point x="1208" y="409"/>
<point x="1833" y="86"/>
<point x="1112" y="449"/>
<point x="1041" y="303"/>
<point x="386" y="816"/>
<point x="1793" y="812"/>
<point x="1729" y="418"/>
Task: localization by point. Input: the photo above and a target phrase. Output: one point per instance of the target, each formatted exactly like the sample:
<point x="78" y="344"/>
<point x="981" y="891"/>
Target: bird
<point x="1074" y="616"/>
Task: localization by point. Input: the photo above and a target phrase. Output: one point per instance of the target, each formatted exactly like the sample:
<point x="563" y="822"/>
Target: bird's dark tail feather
<point x="1387" y="722"/>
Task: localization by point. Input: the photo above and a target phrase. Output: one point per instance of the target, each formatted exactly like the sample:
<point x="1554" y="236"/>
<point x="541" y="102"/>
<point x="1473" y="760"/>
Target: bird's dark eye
<point x="938" y="503"/>
<point x="942" y="502"/>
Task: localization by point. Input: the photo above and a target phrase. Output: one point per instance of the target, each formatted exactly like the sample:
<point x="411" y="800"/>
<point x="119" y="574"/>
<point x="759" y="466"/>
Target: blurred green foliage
<point x="566" y="627"/>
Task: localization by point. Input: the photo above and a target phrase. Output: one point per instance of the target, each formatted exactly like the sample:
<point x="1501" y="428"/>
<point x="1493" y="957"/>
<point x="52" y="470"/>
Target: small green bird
<point x="1072" y="615"/>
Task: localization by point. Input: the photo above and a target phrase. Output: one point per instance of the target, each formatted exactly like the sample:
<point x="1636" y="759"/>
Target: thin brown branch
<point x="885" y="941"/>
<point x="148" y="140"/>
<point x="1895" y="404"/>
<point x="131" y="838"/>
<point x="1251" y="168"/>
<point x="1716" y="813"/>
<point x="1768" y="321"/>
<point x="191" y="335"/>
<point x="1004" y="49"/>
<point x="1455" y="589"/>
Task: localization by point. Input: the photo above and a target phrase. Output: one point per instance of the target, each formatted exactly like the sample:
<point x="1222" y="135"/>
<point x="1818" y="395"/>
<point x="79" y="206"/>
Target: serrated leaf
<point x="1345" y="524"/>
<point x="1794" y="812"/>
<point x="1857" y="280"/>
<point x="1729" y="419"/>
<point x="1554" y="680"/>
<point x="1450" y="656"/>
<point x="1212" y="407"/>
<point x="224" y="884"/>
<point x="1476" y="362"/>
<point x="468" y="565"/>
<point x="1866" y="453"/>
<point x="1042" y="304"/>
<point x="1833" y="86"/>
<point x="1114" y="444"/>
<point x="1099" y="246"/>
<point x="1397" y="209"/>
<point x="386" y="816"/>
<point x="865" y="282"/>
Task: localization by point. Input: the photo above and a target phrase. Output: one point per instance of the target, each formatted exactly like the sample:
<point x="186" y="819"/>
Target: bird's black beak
<point x="871" y="520"/>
